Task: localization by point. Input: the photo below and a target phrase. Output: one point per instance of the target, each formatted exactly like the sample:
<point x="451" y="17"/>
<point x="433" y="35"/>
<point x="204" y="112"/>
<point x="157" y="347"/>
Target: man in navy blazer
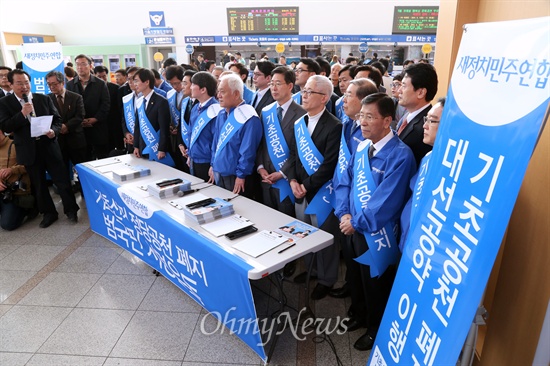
<point x="418" y="88"/>
<point x="40" y="153"/>
<point x="157" y="111"/>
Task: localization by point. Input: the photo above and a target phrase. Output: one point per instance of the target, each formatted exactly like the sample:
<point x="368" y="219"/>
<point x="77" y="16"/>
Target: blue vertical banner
<point x="496" y="106"/>
<point x="38" y="60"/>
<point x="215" y="279"/>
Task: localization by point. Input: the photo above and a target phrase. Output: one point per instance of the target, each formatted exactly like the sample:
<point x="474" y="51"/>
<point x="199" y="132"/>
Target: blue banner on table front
<point x="38" y="60"/>
<point x="181" y="255"/>
<point x="495" y="107"/>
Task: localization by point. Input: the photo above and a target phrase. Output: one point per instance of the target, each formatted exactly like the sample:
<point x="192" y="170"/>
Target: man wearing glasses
<point x="70" y="106"/>
<point x="261" y="79"/>
<point x="39" y="153"/>
<point x="305" y="69"/>
<point x="369" y="199"/>
<point x="309" y="169"/>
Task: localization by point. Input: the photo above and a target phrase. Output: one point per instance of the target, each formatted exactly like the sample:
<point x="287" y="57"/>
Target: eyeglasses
<point x="366" y="117"/>
<point x="309" y="92"/>
<point x="277" y="84"/>
<point x="53" y="84"/>
<point x="347" y="95"/>
<point x="258" y="74"/>
<point x="430" y="121"/>
<point x="299" y="71"/>
<point x="3" y="76"/>
<point x="82" y="64"/>
<point x="395" y="85"/>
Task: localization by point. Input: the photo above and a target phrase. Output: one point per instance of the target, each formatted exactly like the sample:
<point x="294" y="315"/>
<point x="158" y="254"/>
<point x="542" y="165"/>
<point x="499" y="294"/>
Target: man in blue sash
<point x="369" y="199"/>
<point x="431" y="125"/>
<point x="278" y="120"/>
<point x="349" y="140"/>
<point x="180" y="109"/>
<point x="128" y="95"/>
<point x="238" y="135"/>
<point x="202" y="124"/>
<point x="152" y="128"/>
<point x="309" y="169"/>
<point x="306" y="68"/>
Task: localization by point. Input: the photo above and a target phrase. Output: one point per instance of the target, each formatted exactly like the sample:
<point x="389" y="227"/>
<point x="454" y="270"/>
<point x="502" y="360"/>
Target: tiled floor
<point x="71" y="297"/>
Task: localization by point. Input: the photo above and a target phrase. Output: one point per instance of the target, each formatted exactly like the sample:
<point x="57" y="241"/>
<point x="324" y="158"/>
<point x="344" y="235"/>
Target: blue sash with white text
<point x="207" y="115"/>
<point x="417" y="193"/>
<point x="151" y="137"/>
<point x="129" y="112"/>
<point x="297" y="98"/>
<point x="339" y="106"/>
<point x="276" y="147"/>
<point x="235" y="120"/>
<point x="344" y="157"/>
<point x="383" y="250"/>
<point x="184" y="124"/>
<point x="311" y="158"/>
<point x="172" y="97"/>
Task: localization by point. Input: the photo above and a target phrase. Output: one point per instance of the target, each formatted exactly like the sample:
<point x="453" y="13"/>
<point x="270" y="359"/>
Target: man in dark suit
<point x="96" y="105"/>
<point x="282" y="84"/>
<point x="127" y="117"/>
<point x="116" y="138"/>
<point x="324" y="130"/>
<point x="262" y="78"/>
<point x="157" y="112"/>
<point x="70" y="106"/>
<point x="40" y="153"/>
<point x="418" y="88"/>
<point x="5" y="86"/>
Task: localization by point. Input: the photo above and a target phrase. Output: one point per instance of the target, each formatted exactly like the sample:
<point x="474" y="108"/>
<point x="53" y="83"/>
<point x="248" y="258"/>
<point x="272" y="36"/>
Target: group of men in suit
<point x="303" y="153"/>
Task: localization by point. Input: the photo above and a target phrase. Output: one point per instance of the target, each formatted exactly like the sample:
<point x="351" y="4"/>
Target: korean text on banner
<point x="38" y="60"/>
<point x="496" y="105"/>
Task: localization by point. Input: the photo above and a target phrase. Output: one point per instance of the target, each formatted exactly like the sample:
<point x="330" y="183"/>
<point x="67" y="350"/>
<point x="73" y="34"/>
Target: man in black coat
<point x="418" y="88"/>
<point x="96" y="104"/>
<point x="116" y="137"/>
<point x="40" y="153"/>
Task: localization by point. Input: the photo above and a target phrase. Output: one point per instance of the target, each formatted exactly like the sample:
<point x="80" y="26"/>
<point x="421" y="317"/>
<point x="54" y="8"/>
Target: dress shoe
<point x="340" y="292"/>
<point x="320" y="291"/>
<point x="73" y="217"/>
<point x="351" y="324"/>
<point x="301" y="278"/>
<point x="364" y="343"/>
<point x="289" y="269"/>
<point x="48" y="220"/>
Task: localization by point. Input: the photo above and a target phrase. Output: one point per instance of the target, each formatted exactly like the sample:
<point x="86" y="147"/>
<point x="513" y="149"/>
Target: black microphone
<point x="26" y="99"/>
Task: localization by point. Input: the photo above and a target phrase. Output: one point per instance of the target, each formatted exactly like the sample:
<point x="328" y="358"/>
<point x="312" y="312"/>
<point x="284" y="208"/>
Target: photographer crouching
<point x="16" y="200"/>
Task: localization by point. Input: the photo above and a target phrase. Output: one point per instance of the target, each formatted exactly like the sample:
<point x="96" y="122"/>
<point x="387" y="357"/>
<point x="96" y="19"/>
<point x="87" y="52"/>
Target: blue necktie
<point x="280" y="114"/>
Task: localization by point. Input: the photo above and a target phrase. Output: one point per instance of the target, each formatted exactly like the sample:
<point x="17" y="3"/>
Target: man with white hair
<point x="309" y="169"/>
<point x="237" y="136"/>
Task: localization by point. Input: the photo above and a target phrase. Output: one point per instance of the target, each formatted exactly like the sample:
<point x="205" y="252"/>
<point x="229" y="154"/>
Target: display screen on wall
<point x="415" y="19"/>
<point x="272" y="20"/>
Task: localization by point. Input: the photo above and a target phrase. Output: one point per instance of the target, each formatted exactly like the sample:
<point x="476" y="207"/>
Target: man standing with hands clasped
<point x="41" y="153"/>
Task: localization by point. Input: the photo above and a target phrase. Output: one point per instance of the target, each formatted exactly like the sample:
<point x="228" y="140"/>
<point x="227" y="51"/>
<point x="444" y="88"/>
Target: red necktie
<point x="403" y="125"/>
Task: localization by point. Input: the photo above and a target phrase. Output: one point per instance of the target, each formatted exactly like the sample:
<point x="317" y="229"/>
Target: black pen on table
<point x="287" y="248"/>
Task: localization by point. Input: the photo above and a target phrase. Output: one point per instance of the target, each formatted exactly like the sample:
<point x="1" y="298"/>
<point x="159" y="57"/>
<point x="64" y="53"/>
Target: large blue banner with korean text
<point x="212" y="277"/>
<point x="38" y="60"/>
<point x="496" y="105"/>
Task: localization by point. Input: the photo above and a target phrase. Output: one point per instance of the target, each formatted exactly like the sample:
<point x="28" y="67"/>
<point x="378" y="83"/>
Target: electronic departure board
<point x="270" y="20"/>
<point x="415" y="19"/>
